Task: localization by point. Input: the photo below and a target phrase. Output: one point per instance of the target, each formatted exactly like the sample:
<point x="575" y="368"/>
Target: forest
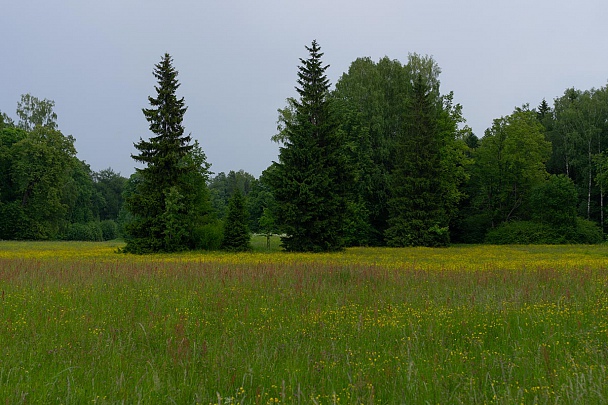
<point x="383" y="158"/>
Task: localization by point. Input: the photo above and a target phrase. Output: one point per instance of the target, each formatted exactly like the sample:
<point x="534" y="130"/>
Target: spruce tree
<point x="311" y="178"/>
<point x="168" y="203"/>
<point x="236" y="232"/>
<point x="417" y="212"/>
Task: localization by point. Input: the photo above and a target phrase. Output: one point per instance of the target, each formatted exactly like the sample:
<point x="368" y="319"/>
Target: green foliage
<point x="579" y="131"/>
<point x="357" y="228"/>
<point x="371" y="163"/>
<point x="223" y="186"/>
<point x="6" y="121"/>
<point x="41" y="164"/>
<point x="552" y="208"/>
<point x="44" y="187"/>
<point x="33" y="112"/>
<point x="287" y="116"/>
<point x="310" y="180"/>
<point x="554" y="202"/>
<point x="13" y="220"/>
<point x="93" y="231"/>
<point x="418" y="214"/>
<point x="9" y="136"/>
<point x="109" y="187"/>
<point x="237" y="237"/>
<point x="543" y="112"/>
<point x="169" y="202"/>
<point x="109" y="229"/>
<point x="209" y="236"/>
<point x="173" y="219"/>
<point x="525" y="233"/>
<point x="373" y="98"/>
<point x="588" y="232"/>
<point x="530" y="232"/>
<point x="267" y="222"/>
<point x="260" y="200"/>
<point x="89" y="232"/>
<point x="79" y="194"/>
<point x="509" y="164"/>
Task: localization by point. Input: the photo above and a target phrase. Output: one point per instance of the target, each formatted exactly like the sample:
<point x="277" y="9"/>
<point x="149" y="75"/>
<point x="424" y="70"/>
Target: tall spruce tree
<point x="311" y="178"/>
<point x="168" y="202"/>
<point x="418" y="215"/>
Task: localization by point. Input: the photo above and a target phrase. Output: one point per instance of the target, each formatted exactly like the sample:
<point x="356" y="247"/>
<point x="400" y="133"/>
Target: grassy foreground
<point x="472" y="324"/>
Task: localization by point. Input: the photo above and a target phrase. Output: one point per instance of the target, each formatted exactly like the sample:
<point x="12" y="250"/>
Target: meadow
<point x="80" y="323"/>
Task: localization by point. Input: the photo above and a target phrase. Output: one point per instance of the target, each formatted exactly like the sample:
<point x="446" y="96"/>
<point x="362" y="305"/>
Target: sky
<point x="238" y="61"/>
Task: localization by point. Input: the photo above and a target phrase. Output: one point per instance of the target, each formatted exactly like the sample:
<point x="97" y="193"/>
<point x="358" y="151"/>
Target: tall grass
<point x="79" y="323"/>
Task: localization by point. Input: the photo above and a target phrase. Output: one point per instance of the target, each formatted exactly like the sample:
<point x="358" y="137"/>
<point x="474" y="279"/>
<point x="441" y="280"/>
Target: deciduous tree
<point x="42" y="163"/>
<point x="509" y="164"/>
<point x="34" y="112"/>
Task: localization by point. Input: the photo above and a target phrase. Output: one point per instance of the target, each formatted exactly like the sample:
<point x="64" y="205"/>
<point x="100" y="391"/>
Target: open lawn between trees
<point x="80" y="323"/>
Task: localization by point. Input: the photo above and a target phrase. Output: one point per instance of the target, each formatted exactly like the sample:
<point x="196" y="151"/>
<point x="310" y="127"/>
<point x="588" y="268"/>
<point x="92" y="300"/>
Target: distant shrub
<point x="210" y="236"/>
<point x="588" y="232"/>
<point x="524" y="233"/>
<point x="109" y="229"/>
<point x="89" y="232"/>
<point x="554" y="203"/>
<point x="530" y="233"/>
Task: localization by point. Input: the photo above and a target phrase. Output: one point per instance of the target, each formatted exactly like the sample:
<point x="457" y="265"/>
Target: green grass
<point x="470" y="324"/>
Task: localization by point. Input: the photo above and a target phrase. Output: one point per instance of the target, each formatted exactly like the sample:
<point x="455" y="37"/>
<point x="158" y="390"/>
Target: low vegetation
<point x="80" y="323"/>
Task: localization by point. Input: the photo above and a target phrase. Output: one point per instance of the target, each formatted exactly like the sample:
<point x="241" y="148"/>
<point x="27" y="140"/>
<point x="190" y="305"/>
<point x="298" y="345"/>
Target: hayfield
<point x="80" y="323"/>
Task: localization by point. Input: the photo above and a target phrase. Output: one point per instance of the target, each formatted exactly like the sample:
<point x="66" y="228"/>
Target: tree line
<point x="383" y="158"/>
<point x="46" y="192"/>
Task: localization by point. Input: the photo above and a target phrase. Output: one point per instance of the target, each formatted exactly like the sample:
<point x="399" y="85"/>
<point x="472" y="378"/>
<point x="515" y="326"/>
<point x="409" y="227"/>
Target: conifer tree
<point x="418" y="216"/>
<point x="311" y="178"/>
<point x="236" y="232"/>
<point x="168" y="203"/>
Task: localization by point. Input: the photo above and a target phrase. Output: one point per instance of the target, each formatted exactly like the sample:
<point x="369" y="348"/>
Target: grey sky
<point x="237" y="61"/>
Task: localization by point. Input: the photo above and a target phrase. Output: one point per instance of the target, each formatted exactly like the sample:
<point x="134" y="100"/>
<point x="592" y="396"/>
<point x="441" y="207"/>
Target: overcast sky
<point x="237" y="61"/>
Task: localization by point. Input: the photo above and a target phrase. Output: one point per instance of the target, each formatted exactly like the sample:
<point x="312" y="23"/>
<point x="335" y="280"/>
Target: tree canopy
<point x="382" y="159"/>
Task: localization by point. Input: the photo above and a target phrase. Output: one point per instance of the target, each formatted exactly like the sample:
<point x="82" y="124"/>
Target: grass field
<point x="80" y="323"/>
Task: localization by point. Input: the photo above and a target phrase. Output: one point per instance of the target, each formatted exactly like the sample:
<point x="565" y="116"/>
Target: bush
<point x="210" y="236"/>
<point x="524" y="233"/>
<point x="588" y="232"/>
<point x="530" y="233"/>
<point x="89" y="232"/>
<point x="109" y="229"/>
